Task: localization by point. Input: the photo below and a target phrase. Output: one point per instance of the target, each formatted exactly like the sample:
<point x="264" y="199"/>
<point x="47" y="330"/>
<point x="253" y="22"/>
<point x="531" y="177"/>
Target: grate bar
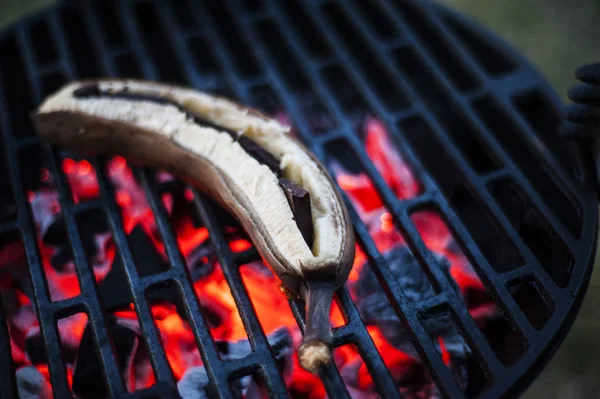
<point x="176" y="39"/>
<point x="179" y="272"/>
<point x="462" y="56"/>
<point x="449" y="381"/>
<point x="145" y="319"/>
<point x="495" y="175"/>
<point x="470" y="175"/>
<point x="86" y="280"/>
<point x="255" y="334"/>
<point x="27" y="141"/>
<point x="87" y="206"/>
<point x="69" y="306"/>
<point x="558" y="174"/>
<point x="133" y="37"/>
<point x="517" y="273"/>
<point x="240" y="30"/>
<point x="490" y="141"/>
<point x="40" y="292"/>
<point x="144" y="316"/>
<point x="253" y="328"/>
<point x="210" y="357"/>
<point x="377" y="369"/>
<point x="385" y="382"/>
<point x="204" y="341"/>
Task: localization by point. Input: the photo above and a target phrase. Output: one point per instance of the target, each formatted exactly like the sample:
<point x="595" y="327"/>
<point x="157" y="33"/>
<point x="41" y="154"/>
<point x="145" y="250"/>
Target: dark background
<point x="557" y="36"/>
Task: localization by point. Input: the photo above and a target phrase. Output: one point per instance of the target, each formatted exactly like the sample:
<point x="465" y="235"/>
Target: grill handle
<point x="582" y="117"/>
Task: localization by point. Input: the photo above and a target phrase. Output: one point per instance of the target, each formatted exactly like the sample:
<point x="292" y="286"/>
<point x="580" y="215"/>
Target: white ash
<point x="31" y="384"/>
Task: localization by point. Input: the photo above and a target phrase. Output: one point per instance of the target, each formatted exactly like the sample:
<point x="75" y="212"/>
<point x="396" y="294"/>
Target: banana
<point x="280" y="193"/>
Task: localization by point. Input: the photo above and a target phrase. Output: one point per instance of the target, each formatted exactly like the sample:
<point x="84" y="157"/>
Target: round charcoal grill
<point x="475" y="124"/>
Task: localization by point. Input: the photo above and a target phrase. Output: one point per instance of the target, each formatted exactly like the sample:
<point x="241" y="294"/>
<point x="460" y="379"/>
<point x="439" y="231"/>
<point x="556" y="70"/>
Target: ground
<point x="557" y="36"/>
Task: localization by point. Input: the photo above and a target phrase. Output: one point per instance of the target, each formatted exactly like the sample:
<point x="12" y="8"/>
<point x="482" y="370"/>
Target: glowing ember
<point x="211" y="286"/>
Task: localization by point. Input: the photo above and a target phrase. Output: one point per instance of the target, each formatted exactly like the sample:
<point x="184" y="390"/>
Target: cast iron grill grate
<point x="475" y="122"/>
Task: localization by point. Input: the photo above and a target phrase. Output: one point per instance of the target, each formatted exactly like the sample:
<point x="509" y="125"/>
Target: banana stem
<point x="315" y="349"/>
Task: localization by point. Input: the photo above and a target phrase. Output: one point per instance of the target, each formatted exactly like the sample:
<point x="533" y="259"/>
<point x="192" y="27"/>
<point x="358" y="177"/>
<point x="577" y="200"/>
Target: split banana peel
<point x="280" y="193"/>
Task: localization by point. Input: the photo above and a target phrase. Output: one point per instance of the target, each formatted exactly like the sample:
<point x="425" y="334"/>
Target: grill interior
<point x="473" y="121"/>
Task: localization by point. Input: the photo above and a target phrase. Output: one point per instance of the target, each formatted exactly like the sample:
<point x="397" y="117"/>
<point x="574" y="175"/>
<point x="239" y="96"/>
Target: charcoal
<point x="48" y="215"/>
<point x="87" y="381"/>
<point x="31" y="384"/>
<point x="375" y="308"/>
<point x="35" y="348"/>
<point x="282" y="347"/>
<point x="10" y="302"/>
<point x="256" y="390"/>
<point x="114" y="289"/>
<point x="145" y="255"/>
<point x="91" y="224"/>
<point x="183" y="210"/>
<point x="194" y="384"/>
<point x="280" y="341"/>
<point x="409" y="275"/>
<point x="201" y="261"/>
<point x="61" y="258"/>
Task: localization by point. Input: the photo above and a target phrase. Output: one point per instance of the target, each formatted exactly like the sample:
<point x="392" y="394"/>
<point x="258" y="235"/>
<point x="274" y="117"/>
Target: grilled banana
<point x="280" y="193"/>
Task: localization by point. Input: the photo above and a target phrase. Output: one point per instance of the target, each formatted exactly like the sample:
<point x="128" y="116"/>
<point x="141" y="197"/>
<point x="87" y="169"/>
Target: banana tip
<point x="314" y="354"/>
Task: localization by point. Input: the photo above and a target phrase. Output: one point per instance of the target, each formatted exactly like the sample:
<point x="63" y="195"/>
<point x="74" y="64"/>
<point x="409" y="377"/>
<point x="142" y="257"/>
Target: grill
<point x="474" y="122"/>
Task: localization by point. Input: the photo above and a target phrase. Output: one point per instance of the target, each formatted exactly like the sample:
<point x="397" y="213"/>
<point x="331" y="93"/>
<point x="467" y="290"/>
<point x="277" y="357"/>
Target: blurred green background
<point x="557" y="36"/>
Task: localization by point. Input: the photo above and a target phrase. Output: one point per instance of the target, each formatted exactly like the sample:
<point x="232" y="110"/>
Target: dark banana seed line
<point x="298" y="197"/>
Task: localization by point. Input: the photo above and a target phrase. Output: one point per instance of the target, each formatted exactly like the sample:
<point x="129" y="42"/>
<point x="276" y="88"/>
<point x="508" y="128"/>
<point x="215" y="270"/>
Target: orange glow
<point x="118" y="163"/>
<point x="445" y="354"/>
<point x="271" y="307"/>
<point x="123" y="199"/>
<point x="22" y="298"/>
<point x="240" y="245"/>
<point x="43" y="369"/>
<point x="336" y="318"/>
<point x="189" y="195"/>
<point x="387" y="222"/>
<point x="361" y="190"/>
<point x="75" y="324"/>
<point x="70" y="377"/>
<point x="84" y="168"/>
<point x="395" y="360"/>
<point x="69" y="166"/>
<point x="81" y="178"/>
<point x="388" y="161"/>
<point x="192" y="239"/>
